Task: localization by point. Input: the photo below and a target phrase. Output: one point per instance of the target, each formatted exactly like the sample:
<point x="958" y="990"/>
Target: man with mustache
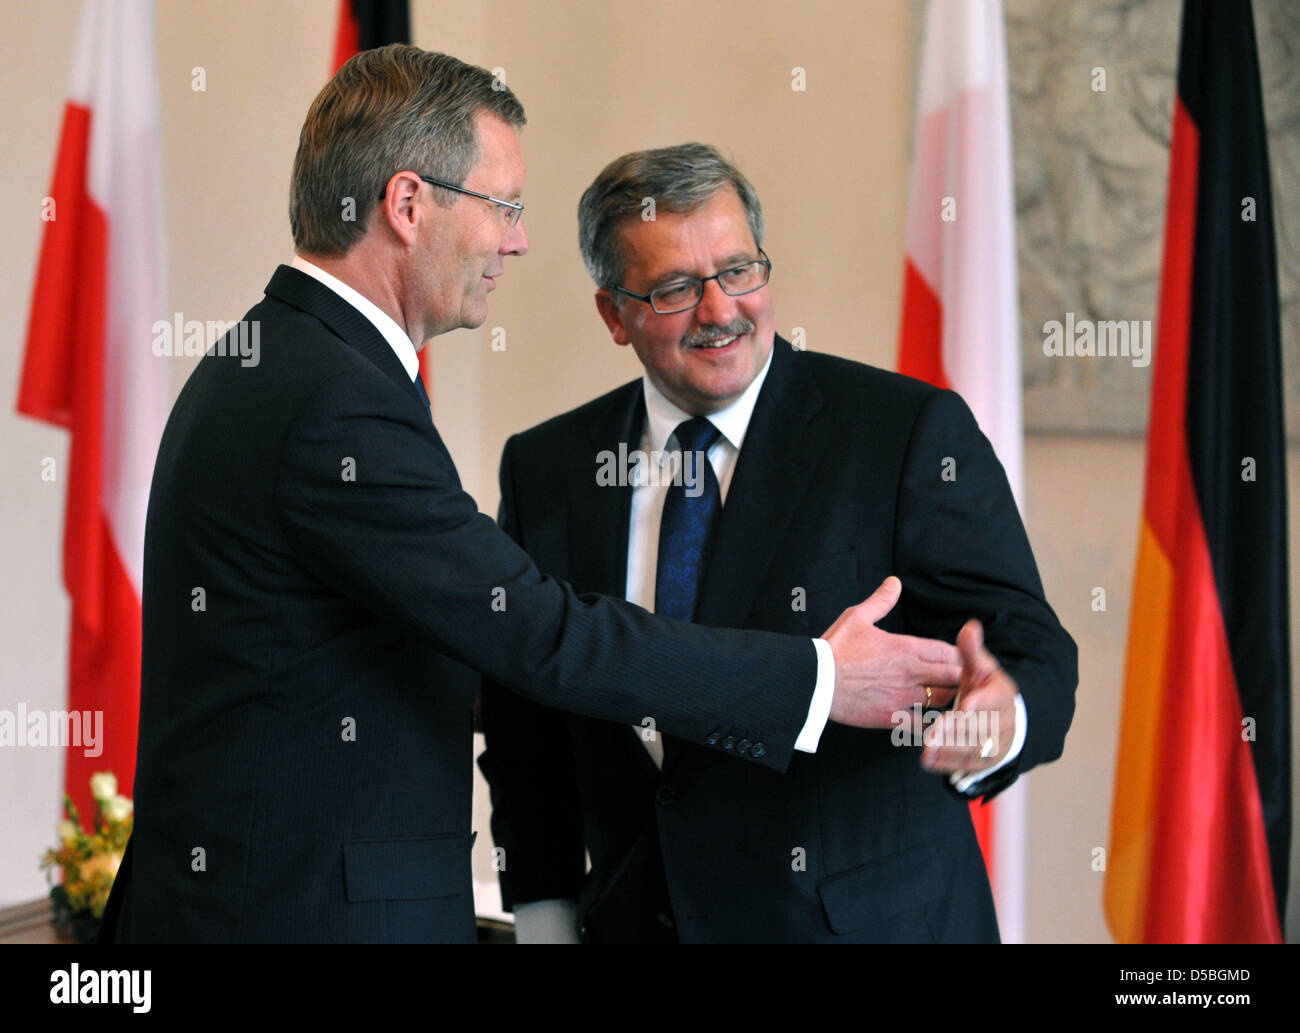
<point x="319" y="593"/>
<point x="823" y="477"/>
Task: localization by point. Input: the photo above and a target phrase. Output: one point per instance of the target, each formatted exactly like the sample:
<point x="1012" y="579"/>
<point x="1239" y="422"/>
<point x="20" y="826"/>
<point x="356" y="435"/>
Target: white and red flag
<point x="960" y="322"/>
<point x="89" y="364"/>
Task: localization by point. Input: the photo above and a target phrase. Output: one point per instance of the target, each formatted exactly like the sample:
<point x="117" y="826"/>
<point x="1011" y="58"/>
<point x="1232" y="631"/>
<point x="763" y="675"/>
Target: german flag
<point x="366" y="24"/>
<point x="1200" y="828"/>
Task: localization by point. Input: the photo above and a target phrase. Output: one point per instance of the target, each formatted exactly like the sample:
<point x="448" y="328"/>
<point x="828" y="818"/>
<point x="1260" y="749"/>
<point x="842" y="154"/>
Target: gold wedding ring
<point x="929" y="694"/>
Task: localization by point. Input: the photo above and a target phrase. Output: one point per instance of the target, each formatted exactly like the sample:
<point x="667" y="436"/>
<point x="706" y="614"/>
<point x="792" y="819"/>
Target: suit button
<point x="758" y="750"/>
<point x="666" y="795"/>
<point x="664" y="920"/>
<point x="713" y="739"/>
<point x="729" y="743"/>
<point x="743" y="746"/>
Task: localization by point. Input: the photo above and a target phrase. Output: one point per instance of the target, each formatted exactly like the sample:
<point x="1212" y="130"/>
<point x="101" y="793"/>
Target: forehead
<point x="688" y="242"/>
<point x="501" y="163"/>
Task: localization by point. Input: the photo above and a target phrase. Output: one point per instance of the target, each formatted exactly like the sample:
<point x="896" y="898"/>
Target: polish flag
<point x="960" y="322"/>
<point x="89" y="364"/>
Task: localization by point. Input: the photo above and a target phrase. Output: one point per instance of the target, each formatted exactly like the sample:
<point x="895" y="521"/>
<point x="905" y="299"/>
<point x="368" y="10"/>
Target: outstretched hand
<point x="979" y="729"/>
<point x="879" y="674"/>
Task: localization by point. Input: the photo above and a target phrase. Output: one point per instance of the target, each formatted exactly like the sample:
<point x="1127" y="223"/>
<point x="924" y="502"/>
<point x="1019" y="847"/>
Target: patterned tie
<point x="688" y="520"/>
<point x="424" y="395"/>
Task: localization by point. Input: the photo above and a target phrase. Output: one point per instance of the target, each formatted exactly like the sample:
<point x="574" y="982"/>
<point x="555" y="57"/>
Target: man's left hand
<point x="977" y="732"/>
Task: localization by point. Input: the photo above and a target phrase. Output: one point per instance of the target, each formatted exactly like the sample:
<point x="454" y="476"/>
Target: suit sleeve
<point x="962" y="552"/>
<point x="369" y="499"/>
<point x="528" y="763"/>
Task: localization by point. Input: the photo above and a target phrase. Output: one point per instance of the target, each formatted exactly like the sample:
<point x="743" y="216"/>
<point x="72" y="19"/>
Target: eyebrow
<point x="730" y="262"/>
<point x="502" y="195"/>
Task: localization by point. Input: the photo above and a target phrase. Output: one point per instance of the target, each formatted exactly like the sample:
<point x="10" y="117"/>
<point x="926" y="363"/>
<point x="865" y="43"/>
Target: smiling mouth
<point x="715" y="343"/>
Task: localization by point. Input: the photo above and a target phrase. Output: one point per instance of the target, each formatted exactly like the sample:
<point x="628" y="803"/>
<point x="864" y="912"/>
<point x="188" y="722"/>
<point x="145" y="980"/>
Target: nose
<point x="716" y="307"/>
<point x="515" y="242"/>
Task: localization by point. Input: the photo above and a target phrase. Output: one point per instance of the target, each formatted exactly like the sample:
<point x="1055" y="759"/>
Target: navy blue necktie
<point x="690" y="512"/>
<point x="424" y="395"/>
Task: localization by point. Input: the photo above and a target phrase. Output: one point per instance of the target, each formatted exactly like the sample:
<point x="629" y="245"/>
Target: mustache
<point x="737" y="327"/>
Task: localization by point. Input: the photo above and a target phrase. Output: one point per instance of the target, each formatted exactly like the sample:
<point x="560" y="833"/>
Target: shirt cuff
<point x="547" y="921"/>
<point x="819" y="710"/>
<point x="962" y="783"/>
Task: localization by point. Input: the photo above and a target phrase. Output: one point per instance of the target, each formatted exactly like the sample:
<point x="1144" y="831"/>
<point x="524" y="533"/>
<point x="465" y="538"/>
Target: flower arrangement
<point x="88" y="860"/>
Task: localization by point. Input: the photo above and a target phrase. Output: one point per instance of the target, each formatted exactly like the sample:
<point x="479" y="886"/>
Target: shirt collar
<point x="383" y="322"/>
<point x="663" y="417"/>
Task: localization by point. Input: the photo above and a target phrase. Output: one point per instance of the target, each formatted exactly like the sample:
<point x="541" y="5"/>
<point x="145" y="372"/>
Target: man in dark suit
<point x="319" y="591"/>
<point x="829" y="475"/>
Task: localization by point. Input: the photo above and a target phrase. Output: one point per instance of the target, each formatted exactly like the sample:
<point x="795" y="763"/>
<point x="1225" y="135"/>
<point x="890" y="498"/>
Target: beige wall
<point x="597" y="79"/>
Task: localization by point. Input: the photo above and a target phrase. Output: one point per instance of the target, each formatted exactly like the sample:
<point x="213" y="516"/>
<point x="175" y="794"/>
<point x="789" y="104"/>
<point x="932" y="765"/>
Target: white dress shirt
<point x="662" y="418"/>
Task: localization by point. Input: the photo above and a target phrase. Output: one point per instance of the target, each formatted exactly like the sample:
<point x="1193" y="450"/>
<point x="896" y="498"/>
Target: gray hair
<point x="677" y="179"/>
<point x="397" y="107"/>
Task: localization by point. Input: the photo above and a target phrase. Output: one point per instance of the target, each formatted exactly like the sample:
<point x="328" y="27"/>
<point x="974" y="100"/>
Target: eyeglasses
<point x="514" y="209"/>
<point x="681" y="295"/>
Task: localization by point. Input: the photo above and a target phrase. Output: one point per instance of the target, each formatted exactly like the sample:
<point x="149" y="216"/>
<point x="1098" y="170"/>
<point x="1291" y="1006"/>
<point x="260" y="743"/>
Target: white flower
<point x="68" y="832"/>
<point x="103" y="785"/>
<point x="118" y="809"/>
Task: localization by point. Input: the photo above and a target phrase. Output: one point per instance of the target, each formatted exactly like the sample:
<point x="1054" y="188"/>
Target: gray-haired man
<point x="826" y="481"/>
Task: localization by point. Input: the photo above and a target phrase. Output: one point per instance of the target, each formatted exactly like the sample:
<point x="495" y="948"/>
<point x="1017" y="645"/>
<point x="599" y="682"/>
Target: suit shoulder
<point x="850" y="382"/>
<point x="303" y="342"/>
<point x="299" y="365"/>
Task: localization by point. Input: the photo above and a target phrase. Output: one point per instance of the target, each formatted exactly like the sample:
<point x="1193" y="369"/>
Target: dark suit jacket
<point x="839" y="484"/>
<point x="317" y="592"/>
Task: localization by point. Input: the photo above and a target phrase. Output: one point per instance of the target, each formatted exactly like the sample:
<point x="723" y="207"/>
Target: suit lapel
<point x="599" y="514"/>
<point x="783" y="447"/>
<point x="296" y="288"/>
